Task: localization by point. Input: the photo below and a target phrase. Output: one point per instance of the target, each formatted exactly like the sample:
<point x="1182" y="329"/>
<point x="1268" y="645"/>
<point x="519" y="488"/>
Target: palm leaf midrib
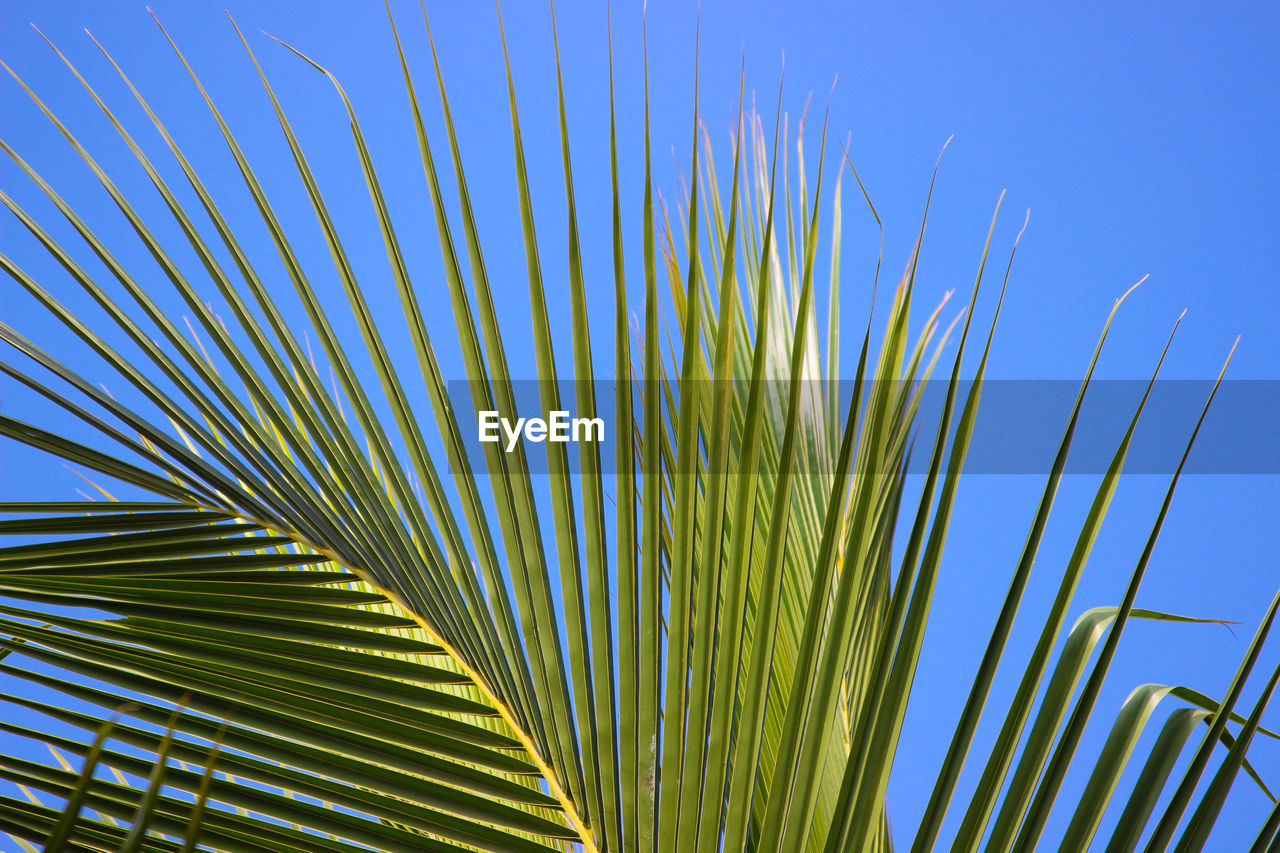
<point x="476" y="678"/>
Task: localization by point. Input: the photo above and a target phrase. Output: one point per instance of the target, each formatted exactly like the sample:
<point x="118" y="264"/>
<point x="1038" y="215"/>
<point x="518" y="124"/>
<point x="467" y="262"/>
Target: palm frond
<point x="321" y="631"/>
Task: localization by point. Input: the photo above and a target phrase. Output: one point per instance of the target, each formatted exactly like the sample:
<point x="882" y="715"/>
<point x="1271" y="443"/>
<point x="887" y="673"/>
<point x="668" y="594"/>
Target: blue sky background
<point x="1142" y="137"/>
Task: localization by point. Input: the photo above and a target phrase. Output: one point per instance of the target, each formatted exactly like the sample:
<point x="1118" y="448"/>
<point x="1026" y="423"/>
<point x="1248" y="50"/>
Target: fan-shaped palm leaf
<point x="379" y="634"/>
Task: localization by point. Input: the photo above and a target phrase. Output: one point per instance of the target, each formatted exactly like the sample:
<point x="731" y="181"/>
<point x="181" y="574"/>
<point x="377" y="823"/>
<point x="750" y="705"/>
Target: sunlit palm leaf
<point x="319" y="639"/>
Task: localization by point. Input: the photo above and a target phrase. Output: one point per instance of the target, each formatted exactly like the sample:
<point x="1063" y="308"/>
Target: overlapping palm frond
<point x="318" y="632"/>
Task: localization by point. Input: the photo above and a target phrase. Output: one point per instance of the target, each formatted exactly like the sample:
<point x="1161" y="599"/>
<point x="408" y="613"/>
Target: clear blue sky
<point x="1143" y="137"/>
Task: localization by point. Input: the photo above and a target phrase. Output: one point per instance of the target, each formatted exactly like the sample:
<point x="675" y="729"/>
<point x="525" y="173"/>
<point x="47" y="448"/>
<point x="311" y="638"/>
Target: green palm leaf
<point x="330" y="622"/>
